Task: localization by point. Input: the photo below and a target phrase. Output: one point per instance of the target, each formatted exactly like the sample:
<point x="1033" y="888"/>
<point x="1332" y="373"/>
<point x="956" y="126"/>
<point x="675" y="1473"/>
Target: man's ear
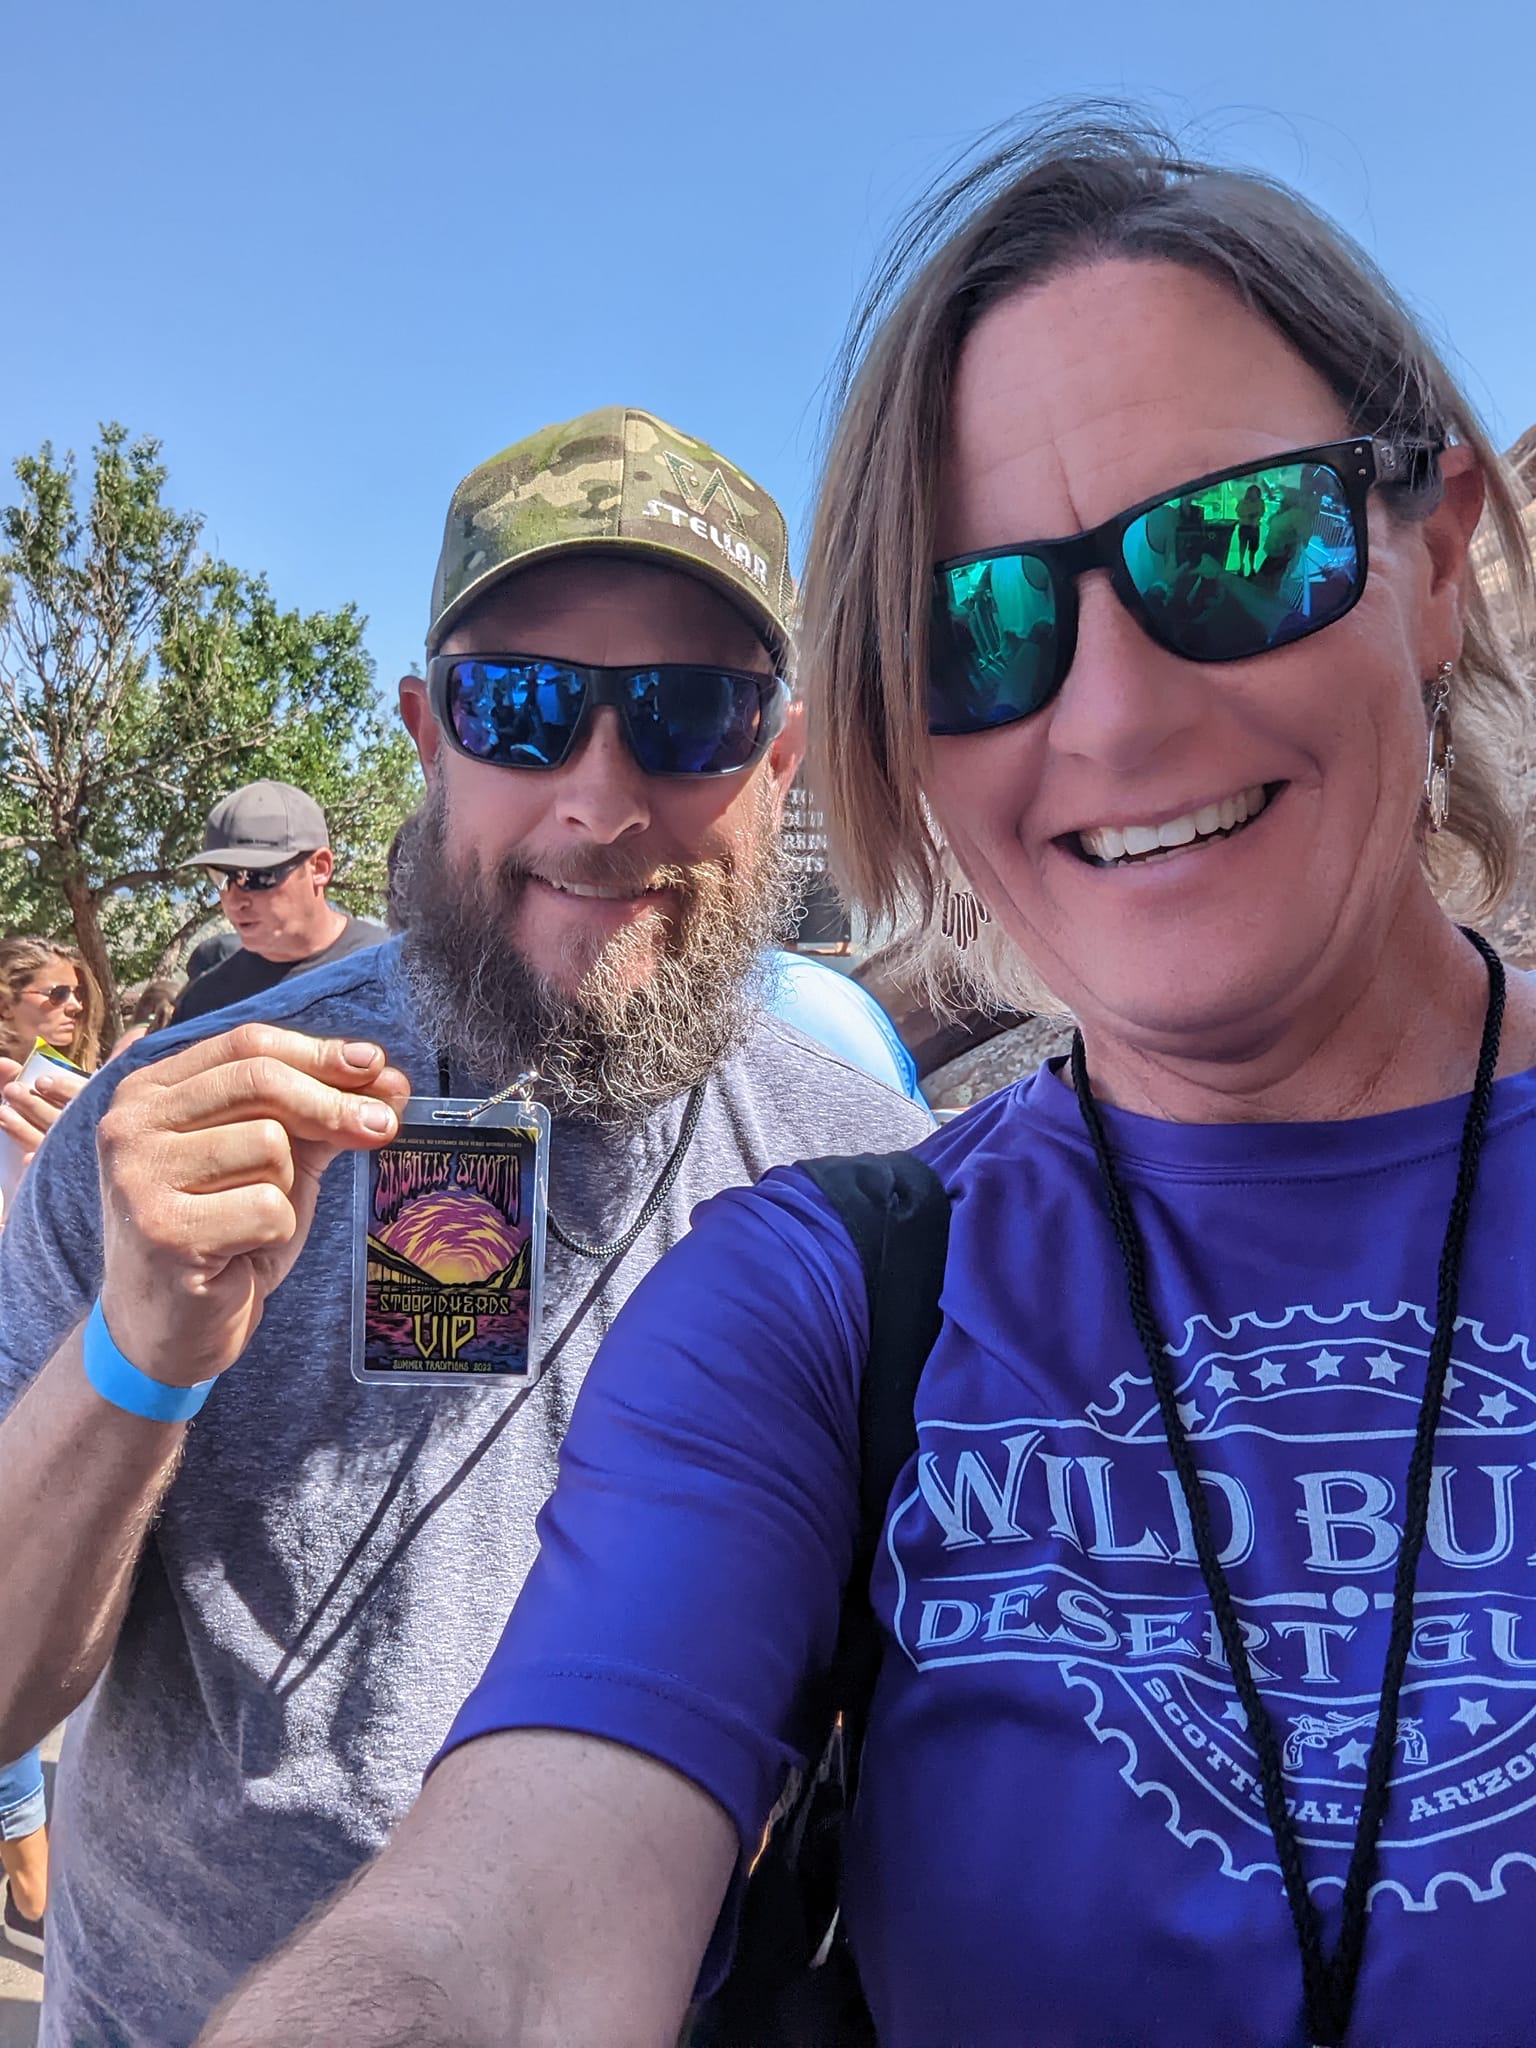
<point x="416" y="712"/>
<point x="322" y="865"/>
<point x="788" y="750"/>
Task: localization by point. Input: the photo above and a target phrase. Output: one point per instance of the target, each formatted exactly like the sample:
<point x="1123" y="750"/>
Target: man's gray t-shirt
<point x="333" y="1564"/>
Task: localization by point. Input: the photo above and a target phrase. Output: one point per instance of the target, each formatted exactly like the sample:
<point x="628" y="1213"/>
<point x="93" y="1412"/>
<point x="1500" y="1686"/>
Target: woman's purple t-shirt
<point x="1060" y="1837"/>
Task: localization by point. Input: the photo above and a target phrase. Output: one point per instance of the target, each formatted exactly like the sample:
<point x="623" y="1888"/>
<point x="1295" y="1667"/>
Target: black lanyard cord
<point x="616" y="1247"/>
<point x="1328" y="1982"/>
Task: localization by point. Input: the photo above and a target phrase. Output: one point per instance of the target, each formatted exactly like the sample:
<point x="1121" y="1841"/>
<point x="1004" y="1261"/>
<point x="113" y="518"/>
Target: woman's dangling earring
<point x="1442" y="755"/>
<point x="961" y="915"/>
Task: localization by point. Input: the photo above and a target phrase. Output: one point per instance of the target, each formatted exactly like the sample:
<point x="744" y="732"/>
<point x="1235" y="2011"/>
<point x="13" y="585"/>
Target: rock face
<point x="1522" y="460"/>
<point x="998" y="1063"/>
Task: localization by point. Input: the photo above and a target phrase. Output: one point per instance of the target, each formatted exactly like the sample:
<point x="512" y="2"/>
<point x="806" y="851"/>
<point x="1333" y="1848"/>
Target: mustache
<point x="609" y="867"/>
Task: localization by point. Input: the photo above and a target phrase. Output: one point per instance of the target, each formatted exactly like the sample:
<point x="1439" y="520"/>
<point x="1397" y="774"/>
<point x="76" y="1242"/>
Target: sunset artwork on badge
<point x="453" y="1236"/>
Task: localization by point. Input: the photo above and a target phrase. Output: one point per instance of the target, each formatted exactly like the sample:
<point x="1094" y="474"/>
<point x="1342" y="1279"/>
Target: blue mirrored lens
<point x="1245" y="565"/>
<point x="521" y="715"/>
<point x="695" y="721"/>
<point x="994" y="646"/>
<point x="680" y="720"/>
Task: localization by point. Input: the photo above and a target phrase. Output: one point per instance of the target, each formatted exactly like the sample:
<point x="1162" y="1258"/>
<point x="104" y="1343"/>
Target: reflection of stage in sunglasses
<point x="1221" y="569"/>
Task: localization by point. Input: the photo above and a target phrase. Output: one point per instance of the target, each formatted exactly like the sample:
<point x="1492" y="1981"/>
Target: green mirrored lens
<point x="994" y="643"/>
<point x="1247" y="564"/>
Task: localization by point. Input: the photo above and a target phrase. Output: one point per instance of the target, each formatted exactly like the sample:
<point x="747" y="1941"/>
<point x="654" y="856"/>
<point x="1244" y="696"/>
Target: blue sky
<point x="335" y="253"/>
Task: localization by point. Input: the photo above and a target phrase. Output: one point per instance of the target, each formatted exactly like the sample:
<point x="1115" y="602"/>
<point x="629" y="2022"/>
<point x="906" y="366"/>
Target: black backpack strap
<point x="896" y="1211"/>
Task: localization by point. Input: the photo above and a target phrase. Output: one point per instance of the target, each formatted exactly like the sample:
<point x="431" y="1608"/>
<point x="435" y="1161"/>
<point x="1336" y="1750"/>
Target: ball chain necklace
<point x="613" y="1247"/>
<point x="1328" y="1981"/>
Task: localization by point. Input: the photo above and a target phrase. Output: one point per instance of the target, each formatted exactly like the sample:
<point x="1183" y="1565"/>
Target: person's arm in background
<point x="559" y="1878"/>
<point x="209" y="1162"/>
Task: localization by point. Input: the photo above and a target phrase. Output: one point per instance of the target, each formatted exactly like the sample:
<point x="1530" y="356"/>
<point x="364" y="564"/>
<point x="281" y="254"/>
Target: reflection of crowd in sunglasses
<point x="1275" y="558"/>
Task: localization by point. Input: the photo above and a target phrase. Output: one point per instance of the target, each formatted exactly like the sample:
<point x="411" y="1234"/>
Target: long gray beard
<point x="613" y="1050"/>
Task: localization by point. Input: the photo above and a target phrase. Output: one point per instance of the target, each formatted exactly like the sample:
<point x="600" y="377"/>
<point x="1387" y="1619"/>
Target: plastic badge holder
<point x="12" y="1158"/>
<point x="448" y="1268"/>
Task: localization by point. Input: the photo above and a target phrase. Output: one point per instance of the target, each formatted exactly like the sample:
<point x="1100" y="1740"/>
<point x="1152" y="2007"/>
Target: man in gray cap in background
<point x="269" y="849"/>
<point x="262" y="1626"/>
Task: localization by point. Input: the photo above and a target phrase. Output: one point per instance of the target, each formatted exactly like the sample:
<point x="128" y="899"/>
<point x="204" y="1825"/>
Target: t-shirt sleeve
<point x="50" y="1248"/>
<point x="693" y="1556"/>
<point x="842" y="1015"/>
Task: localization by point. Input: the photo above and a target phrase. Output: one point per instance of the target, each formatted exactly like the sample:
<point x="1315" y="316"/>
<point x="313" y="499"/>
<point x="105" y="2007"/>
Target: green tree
<point x="142" y="679"/>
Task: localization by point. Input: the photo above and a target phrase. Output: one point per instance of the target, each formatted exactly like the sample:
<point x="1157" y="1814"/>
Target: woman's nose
<point x="1124" y="697"/>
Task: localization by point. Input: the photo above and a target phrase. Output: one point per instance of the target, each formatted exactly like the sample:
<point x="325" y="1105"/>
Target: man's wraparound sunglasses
<point x="680" y="718"/>
<point x="258" y="879"/>
<point x="1220" y="569"/>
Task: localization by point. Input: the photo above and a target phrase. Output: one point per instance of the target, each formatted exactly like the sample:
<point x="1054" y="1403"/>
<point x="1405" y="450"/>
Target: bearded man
<point x="281" y="1607"/>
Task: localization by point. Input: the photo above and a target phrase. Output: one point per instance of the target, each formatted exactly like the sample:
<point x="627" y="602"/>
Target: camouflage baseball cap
<point x="617" y="479"/>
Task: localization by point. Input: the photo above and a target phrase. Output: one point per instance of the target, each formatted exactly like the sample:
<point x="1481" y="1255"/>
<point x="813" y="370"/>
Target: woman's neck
<point x="1392" y="1031"/>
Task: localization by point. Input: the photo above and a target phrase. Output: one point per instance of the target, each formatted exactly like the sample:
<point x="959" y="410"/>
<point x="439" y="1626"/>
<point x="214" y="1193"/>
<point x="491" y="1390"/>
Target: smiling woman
<point x="1139" y="605"/>
<point x="1091" y="327"/>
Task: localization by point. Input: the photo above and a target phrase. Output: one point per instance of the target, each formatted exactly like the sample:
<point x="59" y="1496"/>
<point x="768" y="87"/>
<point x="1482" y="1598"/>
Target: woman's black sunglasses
<point x="1220" y="569"/>
<point x="680" y="718"/>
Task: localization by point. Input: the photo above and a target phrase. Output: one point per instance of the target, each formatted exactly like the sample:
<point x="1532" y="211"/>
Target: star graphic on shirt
<point x="1497" y="1407"/>
<point x="1326" y="1365"/>
<point x="1189" y="1413"/>
<point x="1353" y="1755"/>
<point x="1221" y="1381"/>
<point x="1473" y="1714"/>
<point x="1451" y="1381"/>
<point x="1385" y="1367"/>
<point x="1270" y="1375"/>
<point x="1233" y="1712"/>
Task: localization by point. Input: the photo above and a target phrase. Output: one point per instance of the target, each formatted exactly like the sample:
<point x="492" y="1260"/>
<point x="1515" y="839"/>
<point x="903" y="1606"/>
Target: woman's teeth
<point x="1108" y="845"/>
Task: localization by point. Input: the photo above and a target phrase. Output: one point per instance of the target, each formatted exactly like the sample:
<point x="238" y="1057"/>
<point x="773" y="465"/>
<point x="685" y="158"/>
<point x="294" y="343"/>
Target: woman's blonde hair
<point x="23" y="957"/>
<point x="1073" y="189"/>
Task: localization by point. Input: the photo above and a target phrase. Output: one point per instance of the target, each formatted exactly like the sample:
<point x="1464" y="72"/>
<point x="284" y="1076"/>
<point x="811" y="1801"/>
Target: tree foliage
<point x="141" y="679"/>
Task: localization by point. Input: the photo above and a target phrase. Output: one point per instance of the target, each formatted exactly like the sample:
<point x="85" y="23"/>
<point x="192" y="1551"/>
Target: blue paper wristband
<point x="119" y="1381"/>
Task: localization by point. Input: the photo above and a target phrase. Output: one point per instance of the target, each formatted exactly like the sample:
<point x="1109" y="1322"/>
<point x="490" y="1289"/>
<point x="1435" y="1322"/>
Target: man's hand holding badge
<point x="210" y="1165"/>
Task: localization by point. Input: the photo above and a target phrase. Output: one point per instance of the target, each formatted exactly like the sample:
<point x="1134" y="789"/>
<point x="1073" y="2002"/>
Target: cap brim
<point x="245" y="857"/>
<point x="759" y="615"/>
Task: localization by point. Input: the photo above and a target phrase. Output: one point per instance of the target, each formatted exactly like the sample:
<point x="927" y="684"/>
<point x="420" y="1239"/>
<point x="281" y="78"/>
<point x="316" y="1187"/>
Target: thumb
<point x="390" y="1095"/>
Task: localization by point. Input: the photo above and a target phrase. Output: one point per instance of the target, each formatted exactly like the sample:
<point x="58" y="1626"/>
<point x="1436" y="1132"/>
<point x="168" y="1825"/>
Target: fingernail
<point x="357" y="1053"/>
<point x="376" y="1117"/>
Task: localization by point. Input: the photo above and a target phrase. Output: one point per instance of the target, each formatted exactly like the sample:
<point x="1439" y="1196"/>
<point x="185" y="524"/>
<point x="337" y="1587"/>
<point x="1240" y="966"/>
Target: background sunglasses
<point x="680" y="718"/>
<point x="1221" y="569"/>
<point x="258" y="879"/>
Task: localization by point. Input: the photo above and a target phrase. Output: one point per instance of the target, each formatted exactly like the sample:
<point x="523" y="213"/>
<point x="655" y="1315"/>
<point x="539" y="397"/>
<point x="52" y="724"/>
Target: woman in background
<point x="45" y="993"/>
